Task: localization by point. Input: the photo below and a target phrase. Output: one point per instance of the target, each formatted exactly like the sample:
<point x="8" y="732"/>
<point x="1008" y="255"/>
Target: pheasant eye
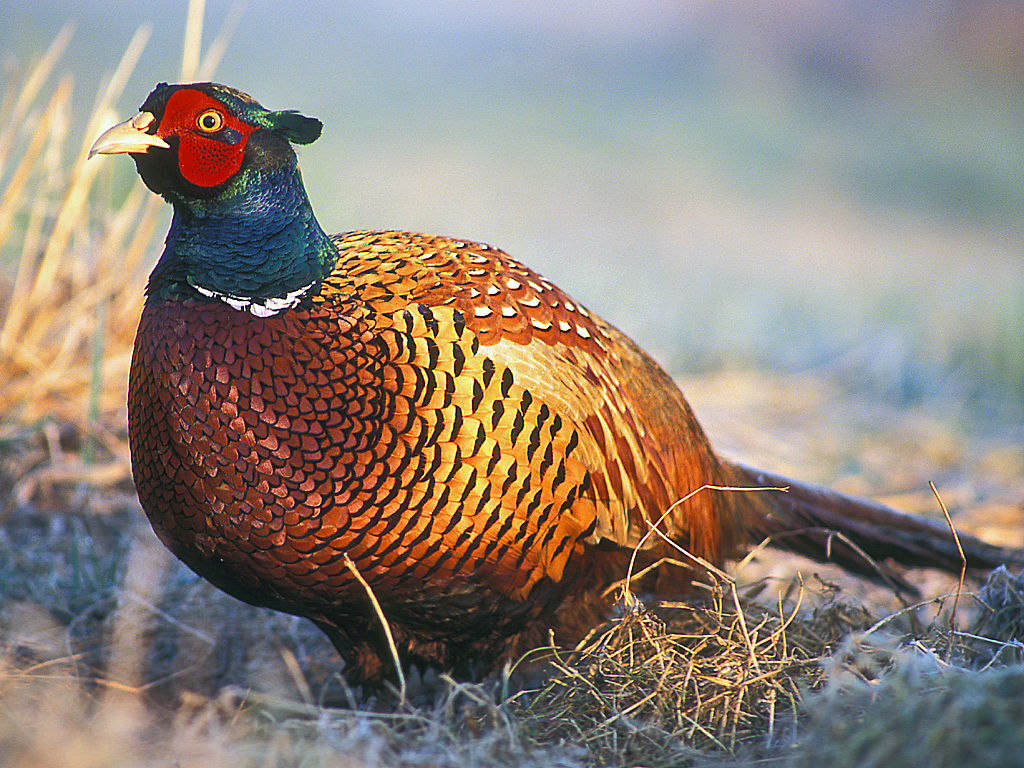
<point x="210" y="121"/>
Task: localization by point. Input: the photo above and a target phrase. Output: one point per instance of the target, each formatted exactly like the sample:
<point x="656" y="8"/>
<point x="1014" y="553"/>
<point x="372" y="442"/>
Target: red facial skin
<point x="201" y="124"/>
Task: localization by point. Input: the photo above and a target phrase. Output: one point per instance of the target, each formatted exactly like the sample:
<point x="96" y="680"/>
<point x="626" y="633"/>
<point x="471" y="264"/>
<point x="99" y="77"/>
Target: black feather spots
<point x="428" y="318"/>
<point x="459" y="360"/>
<point x="497" y="411"/>
<point x="297" y="128"/>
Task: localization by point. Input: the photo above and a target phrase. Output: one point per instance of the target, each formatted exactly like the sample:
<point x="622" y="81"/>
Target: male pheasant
<point x="427" y="413"/>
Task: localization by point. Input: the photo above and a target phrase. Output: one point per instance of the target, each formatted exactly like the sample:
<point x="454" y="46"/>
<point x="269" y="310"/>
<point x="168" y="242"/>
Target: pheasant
<point x="316" y="419"/>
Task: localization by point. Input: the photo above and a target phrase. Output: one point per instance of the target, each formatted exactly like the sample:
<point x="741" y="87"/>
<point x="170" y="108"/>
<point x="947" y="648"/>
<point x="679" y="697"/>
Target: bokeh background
<point x="785" y="185"/>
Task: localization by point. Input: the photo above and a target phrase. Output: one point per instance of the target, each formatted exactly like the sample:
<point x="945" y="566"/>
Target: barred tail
<point x="858" y="534"/>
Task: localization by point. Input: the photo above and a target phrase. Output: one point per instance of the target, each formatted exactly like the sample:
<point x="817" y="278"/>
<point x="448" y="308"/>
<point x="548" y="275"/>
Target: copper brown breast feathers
<point x="423" y="414"/>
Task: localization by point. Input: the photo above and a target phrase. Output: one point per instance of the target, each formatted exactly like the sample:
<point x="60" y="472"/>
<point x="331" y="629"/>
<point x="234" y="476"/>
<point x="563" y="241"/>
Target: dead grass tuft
<point x="657" y="688"/>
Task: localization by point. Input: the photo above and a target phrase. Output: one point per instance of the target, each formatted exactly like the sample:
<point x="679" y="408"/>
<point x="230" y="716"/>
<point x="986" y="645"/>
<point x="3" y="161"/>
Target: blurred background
<point x="833" y="188"/>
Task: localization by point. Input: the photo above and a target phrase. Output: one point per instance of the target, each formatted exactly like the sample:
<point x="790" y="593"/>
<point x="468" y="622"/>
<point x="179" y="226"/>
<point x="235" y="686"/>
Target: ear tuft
<point x="297" y="128"/>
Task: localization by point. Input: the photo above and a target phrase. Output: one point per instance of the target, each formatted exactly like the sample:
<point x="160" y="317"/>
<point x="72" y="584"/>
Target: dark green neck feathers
<point x="259" y="250"/>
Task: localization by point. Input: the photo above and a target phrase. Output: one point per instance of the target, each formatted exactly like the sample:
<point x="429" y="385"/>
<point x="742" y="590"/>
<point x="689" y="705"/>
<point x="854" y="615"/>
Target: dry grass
<point x="655" y="689"/>
<point x="114" y="655"/>
<point x="79" y="249"/>
<point x="916" y="711"/>
<point x="130" y="659"/>
<point x="75" y="297"/>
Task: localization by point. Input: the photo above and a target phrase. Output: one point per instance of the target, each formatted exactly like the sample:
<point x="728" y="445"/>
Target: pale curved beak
<point x="129" y="136"/>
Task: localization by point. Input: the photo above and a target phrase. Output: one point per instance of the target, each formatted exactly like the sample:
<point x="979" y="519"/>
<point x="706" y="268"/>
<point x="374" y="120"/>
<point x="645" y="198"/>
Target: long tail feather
<point x="858" y="534"/>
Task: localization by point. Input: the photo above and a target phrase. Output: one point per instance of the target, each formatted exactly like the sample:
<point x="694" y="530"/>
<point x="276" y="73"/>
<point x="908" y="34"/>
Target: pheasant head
<point x="243" y="229"/>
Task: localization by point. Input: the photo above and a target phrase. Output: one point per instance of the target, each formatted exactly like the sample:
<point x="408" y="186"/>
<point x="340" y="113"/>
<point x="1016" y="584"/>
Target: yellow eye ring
<point x="210" y="121"/>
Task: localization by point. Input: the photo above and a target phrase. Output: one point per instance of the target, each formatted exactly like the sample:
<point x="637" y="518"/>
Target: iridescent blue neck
<point x="257" y="246"/>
